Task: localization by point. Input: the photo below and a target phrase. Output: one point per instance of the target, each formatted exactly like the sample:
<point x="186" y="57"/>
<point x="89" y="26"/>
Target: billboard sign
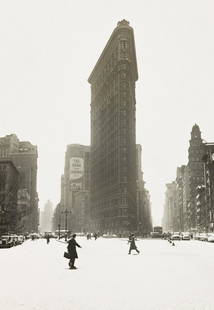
<point x="76" y="168"/>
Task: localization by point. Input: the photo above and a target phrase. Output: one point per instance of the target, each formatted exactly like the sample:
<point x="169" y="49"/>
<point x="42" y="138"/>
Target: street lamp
<point x="66" y="212"/>
<point x="59" y="230"/>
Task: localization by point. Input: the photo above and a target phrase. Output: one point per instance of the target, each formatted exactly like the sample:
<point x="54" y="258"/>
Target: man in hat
<point x="72" y="244"/>
<point x="132" y="244"/>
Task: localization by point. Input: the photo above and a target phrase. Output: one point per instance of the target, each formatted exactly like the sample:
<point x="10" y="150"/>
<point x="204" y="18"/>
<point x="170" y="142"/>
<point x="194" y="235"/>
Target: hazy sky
<point x="48" y="50"/>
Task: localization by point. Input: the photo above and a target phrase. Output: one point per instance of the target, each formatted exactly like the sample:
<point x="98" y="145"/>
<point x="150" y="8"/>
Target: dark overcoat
<point x="72" y="248"/>
<point x="132" y="244"/>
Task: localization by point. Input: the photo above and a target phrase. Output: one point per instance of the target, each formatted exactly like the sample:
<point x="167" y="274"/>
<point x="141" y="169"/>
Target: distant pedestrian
<point x="95" y="236"/>
<point x="132" y="244"/>
<point x="48" y="239"/>
<point x="72" y="244"/>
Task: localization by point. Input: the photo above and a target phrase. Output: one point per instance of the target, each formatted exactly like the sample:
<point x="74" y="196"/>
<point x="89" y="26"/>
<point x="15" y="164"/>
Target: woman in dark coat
<point x="132" y="244"/>
<point x="72" y="244"/>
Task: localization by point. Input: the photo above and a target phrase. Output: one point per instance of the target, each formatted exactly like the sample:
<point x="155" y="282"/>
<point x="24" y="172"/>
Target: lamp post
<point x="66" y="212"/>
<point x="59" y="230"/>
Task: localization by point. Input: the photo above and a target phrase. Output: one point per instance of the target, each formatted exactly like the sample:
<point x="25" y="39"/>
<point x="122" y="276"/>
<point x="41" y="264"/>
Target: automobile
<point x="203" y="237"/>
<point x="21" y="239"/>
<point x="156" y="234"/>
<point x="185" y="236"/>
<point x="80" y="234"/>
<point x="34" y="236"/>
<point x="196" y="237"/>
<point x="110" y="236"/>
<point x="6" y="241"/>
<point x="210" y="237"/>
<point x="176" y="236"/>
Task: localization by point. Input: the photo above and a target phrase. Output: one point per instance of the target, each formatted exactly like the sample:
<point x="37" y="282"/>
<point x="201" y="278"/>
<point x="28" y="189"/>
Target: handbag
<point x="67" y="255"/>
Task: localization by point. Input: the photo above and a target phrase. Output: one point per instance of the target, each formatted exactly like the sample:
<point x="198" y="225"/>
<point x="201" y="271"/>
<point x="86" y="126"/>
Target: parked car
<point x="196" y="237"/>
<point x="203" y="237"/>
<point x="21" y="239"/>
<point x="110" y="236"/>
<point x="6" y="241"/>
<point x="186" y="236"/>
<point x="210" y="237"/>
<point x="176" y="236"/>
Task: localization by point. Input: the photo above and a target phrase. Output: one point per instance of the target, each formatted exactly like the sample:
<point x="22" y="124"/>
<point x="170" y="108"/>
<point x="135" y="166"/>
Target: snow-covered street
<point x="35" y="276"/>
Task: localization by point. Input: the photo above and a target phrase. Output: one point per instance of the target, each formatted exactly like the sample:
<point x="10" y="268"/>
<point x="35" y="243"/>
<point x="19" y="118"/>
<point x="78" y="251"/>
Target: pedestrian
<point x="48" y="239"/>
<point x="132" y="244"/>
<point x="72" y="244"/>
<point x="95" y="236"/>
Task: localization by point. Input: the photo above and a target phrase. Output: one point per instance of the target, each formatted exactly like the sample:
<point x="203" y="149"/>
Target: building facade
<point x="196" y="172"/>
<point x="206" y="192"/>
<point x="9" y="178"/>
<point x="194" y="192"/>
<point x="81" y="214"/>
<point x="24" y="157"/>
<point x="144" y="218"/>
<point x="170" y="212"/>
<point x="113" y="141"/>
<point x="46" y="217"/>
<point x="76" y="178"/>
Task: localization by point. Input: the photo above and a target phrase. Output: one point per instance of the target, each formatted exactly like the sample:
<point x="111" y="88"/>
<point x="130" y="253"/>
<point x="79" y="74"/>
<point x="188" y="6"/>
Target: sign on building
<point x="76" y="168"/>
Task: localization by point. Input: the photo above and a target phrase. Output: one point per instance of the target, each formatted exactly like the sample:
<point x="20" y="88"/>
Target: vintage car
<point x="186" y="236"/>
<point x="6" y="241"/>
<point x="203" y="237"/>
<point x="176" y="236"/>
<point x="210" y="237"/>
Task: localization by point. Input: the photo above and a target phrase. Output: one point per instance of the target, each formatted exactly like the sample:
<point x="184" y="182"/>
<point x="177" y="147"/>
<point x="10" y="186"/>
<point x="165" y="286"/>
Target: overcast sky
<point x="48" y="50"/>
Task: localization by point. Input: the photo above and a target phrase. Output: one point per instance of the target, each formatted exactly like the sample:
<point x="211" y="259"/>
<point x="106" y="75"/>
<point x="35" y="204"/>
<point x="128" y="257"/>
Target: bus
<point x="158" y="229"/>
<point x="157" y="232"/>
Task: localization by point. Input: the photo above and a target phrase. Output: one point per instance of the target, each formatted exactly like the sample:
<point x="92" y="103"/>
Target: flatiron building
<point x="113" y="137"/>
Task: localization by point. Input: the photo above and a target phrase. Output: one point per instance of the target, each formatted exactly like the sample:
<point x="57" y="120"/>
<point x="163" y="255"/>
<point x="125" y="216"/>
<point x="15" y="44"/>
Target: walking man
<point x="48" y="239"/>
<point x="132" y="244"/>
<point x="72" y="244"/>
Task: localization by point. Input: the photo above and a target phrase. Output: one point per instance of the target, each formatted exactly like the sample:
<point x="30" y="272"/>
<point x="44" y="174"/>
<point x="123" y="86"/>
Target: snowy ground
<point x="35" y="276"/>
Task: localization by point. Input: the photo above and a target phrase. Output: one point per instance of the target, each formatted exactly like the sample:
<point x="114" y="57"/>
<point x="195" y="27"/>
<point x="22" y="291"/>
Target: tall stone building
<point x="46" y="217"/>
<point x="76" y="179"/>
<point x="180" y="183"/>
<point x="169" y="207"/>
<point x="24" y="157"/>
<point x="205" y="192"/>
<point x="113" y="141"/>
<point x="196" y="172"/>
<point x="9" y="216"/>
<point x="194" y="189"/>
<point x="144" y="218"/>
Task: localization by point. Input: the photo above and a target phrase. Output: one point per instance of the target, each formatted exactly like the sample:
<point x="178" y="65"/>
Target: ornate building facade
<point x="113" y="141"/>
<point x="193" y="207"/>
<point x="196" y="172"/>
